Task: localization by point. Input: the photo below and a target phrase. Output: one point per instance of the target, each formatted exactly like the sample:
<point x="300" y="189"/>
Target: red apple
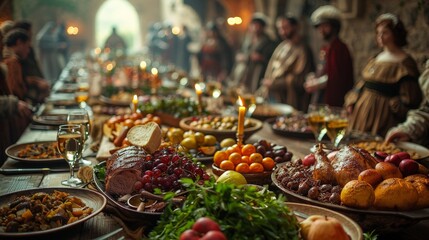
<point x="403" y="155"/>
<point x="394" y="159"/>
<point x="309" y="160"/>
<point x="190" y="235"/>
<point x="214" y="235"/>
<point x="205" y="224"/>
<point x="380" y="156"/>
<point x="327" y="228"/>
<point x="408" y="167"/>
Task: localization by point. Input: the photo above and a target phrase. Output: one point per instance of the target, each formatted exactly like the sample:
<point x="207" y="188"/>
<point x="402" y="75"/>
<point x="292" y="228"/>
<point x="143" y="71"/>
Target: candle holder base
<point x="240" y="140"/>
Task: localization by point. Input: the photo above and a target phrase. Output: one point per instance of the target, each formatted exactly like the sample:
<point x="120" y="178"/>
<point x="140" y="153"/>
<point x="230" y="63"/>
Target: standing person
<point x="389" y="86"/>
<point x="334" y="76"/>
<point x="116" y="43"/>
<point x="38" y="87"/>
<point x="416" y="126"/>
<point x="253" y="58"/>
<point x="216" y="55"/>
<point x="290" y="63"/>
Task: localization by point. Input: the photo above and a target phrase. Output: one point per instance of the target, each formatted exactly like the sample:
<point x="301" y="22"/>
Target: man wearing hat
<point x="254" y="55"/>
<point x="334" y="76"/>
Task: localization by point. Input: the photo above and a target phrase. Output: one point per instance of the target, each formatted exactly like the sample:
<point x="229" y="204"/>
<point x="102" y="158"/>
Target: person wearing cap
<point x="389" y="87"/>
<point x="291" y="61"/>
<point x="334" y="75"/>
<point x="254" y="55"/>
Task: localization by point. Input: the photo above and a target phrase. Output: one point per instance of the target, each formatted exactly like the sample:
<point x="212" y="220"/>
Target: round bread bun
<point x="388" y="170"/>
<point x="421" y="184"/>
<point x="148" y="136"/>
<point x="395" y="194"/>
<point x="357" y="194"/>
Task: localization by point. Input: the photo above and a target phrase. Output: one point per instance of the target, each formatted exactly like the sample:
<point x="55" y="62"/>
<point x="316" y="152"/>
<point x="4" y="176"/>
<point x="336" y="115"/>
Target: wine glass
<point x="336" y="125"/>
<point x="70" y="142"/>
<point x="249" y="101"/>
<point x="80" y="117"/>
<point x="316" y="118"/>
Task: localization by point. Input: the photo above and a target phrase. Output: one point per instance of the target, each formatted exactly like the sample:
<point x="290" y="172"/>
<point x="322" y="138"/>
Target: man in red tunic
<point x="334" y="76"/>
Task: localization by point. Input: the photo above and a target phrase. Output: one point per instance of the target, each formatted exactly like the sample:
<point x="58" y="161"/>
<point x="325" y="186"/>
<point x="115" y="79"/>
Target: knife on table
<point x="31" y="170"/>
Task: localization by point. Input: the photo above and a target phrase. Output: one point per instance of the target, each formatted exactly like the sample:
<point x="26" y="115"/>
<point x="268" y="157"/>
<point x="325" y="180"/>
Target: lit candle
<point x="143" y="66"/>
<point x="135" y="102"/>
<point x="241" y="113"/>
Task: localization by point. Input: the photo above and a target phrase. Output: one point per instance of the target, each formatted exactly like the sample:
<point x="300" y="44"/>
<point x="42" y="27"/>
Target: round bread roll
<point x="395" y="194"/>
<point x="421" y="184"/>
<point x="148" y="136"/>
<point x="357" y="194"/>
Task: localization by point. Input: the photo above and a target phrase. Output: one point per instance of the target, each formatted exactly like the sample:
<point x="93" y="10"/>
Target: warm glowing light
<point x="143" y="65"/>
<point x="241" y="112"/>
<point x="240" y="101"/>
<point x="71" y="30"/>
<point x="110" y="66"/>
<point x="234" y="21"/>
<point x="198" y="89"/>
<point x="154" y="71"/>
<point x="238" y="20"/>
<point x="135" y="103"/>
<point x="176" y="30"/>
<point x="97" y="51"/>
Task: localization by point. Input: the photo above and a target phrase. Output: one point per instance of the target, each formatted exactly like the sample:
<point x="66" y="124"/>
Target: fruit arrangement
<point x="318" y="227"/>
<point x="294" y="123"/>
<point x="220" y="123"/>
<point x="178" y="107"/>
<point x="196" y="143"/>
<point x="385" y="148"/>
<point x="164" y="168"/>
<point x="251" y="158"/>
<point x="392" y="182"/>
<point x="204" y="229"/>
<point x="116" y="127"/>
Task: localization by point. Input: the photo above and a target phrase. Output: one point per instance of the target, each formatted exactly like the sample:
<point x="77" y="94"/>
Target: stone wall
<point x="359" y="33"/>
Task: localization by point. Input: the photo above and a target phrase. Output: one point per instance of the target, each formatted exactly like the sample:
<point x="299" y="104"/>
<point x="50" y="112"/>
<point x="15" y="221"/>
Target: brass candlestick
<point x="239" y="140"/>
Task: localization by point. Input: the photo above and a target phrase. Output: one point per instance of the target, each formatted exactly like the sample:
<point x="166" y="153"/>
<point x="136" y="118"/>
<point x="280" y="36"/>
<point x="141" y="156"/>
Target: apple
<point x="306" y="224"/>
<point x="205" y="224"/>
<point x="327" y="228"/>
<point x="394" y="159"/>
<point x="190" y="235"/>
<point x="371" y="176"/>
<point x="408" y="167"/>
<point x="309" y="160"/>
<point x="214" y="235"/>
<point x="403" y="155"/>
<point x="380" y="156"/>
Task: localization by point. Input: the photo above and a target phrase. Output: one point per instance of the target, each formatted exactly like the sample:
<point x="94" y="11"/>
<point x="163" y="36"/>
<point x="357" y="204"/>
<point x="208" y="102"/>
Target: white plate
<point x="422" y="151"/>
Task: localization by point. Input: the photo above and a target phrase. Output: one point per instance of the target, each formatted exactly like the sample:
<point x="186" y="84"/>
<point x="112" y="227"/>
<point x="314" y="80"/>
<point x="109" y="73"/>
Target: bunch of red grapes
<point x="164" y="168"/>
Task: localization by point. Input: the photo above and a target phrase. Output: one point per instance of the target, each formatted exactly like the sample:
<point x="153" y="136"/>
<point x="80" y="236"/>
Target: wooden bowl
<point x="252" y="178"/>
<point x="222" y="134"/>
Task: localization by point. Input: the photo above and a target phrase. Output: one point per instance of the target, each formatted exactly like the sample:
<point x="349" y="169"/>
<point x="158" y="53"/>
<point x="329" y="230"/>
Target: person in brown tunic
<point x="389" y="85"/>
<point x="288" y="67"/>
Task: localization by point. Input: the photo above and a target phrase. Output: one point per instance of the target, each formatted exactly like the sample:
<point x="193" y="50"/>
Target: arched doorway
<point x="122" y="15"/>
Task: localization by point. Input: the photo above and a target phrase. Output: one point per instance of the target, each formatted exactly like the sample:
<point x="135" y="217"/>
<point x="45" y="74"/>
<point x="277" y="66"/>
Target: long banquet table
<point x="107" y="221"/>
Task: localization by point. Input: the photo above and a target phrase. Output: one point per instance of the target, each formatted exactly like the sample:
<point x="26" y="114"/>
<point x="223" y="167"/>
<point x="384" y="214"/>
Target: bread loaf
<point x="147" y="136"/>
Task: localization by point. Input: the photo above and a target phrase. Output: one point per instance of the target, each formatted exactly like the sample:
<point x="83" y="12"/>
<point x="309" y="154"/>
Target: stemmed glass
<point x="81" y="118"/>
<point x="249" y="101"/>
<point x="316" y="118"/>
<point x="69" y="139"/>
<point x="336" y="125"/>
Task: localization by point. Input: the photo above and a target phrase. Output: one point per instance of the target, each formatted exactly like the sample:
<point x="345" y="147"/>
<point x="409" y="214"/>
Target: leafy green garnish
<point x="242" y="212"/>
<point x="370" y="235"/>
<point x="100" y="172"/>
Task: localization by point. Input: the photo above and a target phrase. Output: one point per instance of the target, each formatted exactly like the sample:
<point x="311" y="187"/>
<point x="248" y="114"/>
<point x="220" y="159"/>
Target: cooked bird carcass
<point x="123" y="169"/>
<point x="322" y="169"/>
<point x="349" y="162"/>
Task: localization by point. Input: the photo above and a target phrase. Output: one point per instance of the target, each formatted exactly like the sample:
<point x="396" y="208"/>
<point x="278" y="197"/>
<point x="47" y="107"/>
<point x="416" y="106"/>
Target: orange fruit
<point x="256" y="168"/>
<point x="232" y="149"/>
<point x="248" y="149"/>
<point x="227" y="165"/>
<point x="235" y="158"/>
<point x="242" y="168"/>
<point x="256" y="158"/>
<point x="268" y="163"/>
<point x="246" y="159"/>
<point x="219" y="157"/>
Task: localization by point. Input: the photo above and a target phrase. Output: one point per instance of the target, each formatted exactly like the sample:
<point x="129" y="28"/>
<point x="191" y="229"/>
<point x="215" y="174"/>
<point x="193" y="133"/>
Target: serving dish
<point x="305" y="133"/>
<point x="92" y="199"/>
<point x="51" y="119"/>
<point x="13" y="150"/>
<point x="269" y="110"/>
<point x="351" y="227"/>
<point x="127" y="211"/>
<point x="416" y="151"/>
<point x="251" y="178"/>
<point x="367" y="219"/>
<point x="222" y="134"/>
<point x="109" y="101"/>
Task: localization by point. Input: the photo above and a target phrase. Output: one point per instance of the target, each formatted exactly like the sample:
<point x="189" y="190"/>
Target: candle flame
<point x="240" y="101"/>
<point x="197" y="88"/>
<point x="135" y="99"/>
<point x="154" y="71"/>
<point x="143" y="65"/>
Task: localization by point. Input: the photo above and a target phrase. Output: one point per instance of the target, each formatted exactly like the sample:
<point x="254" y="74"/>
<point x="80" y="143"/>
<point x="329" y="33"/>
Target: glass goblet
<point x="316" y="118"/>
<point x="336" y="125"/>
<point x="80" y="117"/>
<point x="70" y="142"/>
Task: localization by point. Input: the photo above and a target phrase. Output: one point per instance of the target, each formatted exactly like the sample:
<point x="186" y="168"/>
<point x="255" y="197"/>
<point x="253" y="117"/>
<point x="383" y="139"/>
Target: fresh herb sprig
<point x="242" y="212"/>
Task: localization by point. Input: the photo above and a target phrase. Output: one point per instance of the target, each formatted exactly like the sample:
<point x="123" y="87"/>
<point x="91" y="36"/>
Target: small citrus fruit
<point x="219" y="157"/>
<point x="235" y="158"/>
<point x="256" y="167"/>
<point x="256" y="157"/>
<point x="242" y="168"/>
<point x="248" y="149"/>
<point x="268" y="163"/>
<point x="227" y="165"/>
